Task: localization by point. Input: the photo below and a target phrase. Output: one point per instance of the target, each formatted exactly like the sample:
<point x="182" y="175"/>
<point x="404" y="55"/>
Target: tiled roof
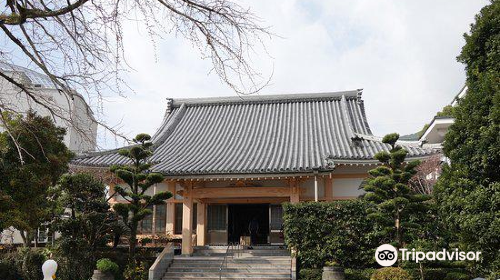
<point x="260" y="134"/>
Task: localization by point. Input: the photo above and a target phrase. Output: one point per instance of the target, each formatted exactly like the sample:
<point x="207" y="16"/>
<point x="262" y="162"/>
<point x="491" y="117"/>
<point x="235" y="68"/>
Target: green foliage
<point x="322" y="232"/>
<point x="468" y="190"/>
<point x="390" y="139"/>
<point x="136" y="272"/>
<point x="358" y="274"/>
<point x="391" y="273"/>
<point x="10" y="268"/>
<point x="331" y="263"/>
<point x="389" y="191"/>
<point x="447" y="111"/>
<point x="106" y="265"/>
<point x="310" y="274"/>
<point x="25" y="184"/>
<point x="88" y="226"/>
<point x="31" y="264"/>
<point x="457" y="276"/>
<point x="139" y="179"/>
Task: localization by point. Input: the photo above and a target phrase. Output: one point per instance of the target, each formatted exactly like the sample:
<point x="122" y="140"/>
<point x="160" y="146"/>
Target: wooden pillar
<point x="328" y="188"/>
<point x="294" y="191"/>
<point x="201" y="223"/>
<point x="153" y="216"/>
<point x="187" y="220"/>
<point x="170" y="209"/>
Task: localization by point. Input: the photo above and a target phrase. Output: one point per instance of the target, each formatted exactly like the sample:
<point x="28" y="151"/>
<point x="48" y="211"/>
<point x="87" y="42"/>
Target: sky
<point x="402" y="54"/>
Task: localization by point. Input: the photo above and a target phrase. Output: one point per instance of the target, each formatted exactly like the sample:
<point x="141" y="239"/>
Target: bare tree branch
<point x="78" y="45"/>
<point x="427" y="174"/>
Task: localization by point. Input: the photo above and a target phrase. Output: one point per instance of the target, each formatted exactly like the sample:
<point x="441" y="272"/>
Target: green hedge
<point x="310" y="274"/>
<point x="327" y="231"/>
<point x="391" y="273"/>
<point x="359" y="274"/>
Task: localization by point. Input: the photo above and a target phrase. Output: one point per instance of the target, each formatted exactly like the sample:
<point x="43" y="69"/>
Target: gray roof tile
<point x="260" y="134"/>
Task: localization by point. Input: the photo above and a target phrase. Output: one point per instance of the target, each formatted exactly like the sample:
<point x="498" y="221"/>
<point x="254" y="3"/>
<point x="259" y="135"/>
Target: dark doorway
<point x="240" y="216"/>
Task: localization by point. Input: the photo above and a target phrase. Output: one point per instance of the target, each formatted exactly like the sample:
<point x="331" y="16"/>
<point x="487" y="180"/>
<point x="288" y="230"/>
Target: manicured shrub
<point x="310" y="274"/>
<point x="139" y="272"/>
<point x="338" y="231"/>
<point x="457" y="276"/>
<point x="9" y="269"/>
<point x="106" y="265"/>
<point x="391" y="273"/>
<point x="32" y="263"/>
<point x="358" y="274"/>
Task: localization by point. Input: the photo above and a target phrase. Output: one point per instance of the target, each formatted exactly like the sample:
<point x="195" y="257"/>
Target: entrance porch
<point x="225" y="211"/>
<point x="218" y="211"/>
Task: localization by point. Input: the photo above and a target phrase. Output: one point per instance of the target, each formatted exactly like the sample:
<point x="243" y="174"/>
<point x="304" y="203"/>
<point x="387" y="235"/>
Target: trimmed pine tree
<point x="139" y="179"/>
<point x="389" y="191"/>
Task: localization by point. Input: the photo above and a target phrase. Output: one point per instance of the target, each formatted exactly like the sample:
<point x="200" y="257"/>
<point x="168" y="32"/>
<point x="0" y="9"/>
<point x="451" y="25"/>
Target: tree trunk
<point x="25" y="238"/>
<point x="398" y="229"/>
<point x="421" y="267"/>
<point x="133" y="242"/>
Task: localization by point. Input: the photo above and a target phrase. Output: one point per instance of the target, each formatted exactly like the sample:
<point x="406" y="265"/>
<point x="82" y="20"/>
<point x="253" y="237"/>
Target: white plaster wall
<point x="347" y="187"/>
<point x="307" y="188"/>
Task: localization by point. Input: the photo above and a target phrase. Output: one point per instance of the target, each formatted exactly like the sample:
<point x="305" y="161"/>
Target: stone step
<point x="194" y="258"/>
<point x="225" y="274"/>
<point x="231" y="269"/>
<point x="226" y="277"/>
<point x="266" y="263"/>
<point x="242" y="266"/>
<point x="245" y="253"/>
<point x="236" y="260"/>
<point x="255" y="247"/>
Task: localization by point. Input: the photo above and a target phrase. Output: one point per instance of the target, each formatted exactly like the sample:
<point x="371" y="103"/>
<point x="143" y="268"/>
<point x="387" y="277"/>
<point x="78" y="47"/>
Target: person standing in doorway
<point x="253" y="228"/>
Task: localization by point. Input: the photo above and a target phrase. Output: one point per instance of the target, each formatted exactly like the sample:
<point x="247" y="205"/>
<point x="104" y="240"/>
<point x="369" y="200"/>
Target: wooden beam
<point x="243" y="192"/>
<point x="349" y="176"/>
<point x="254" y="200"/>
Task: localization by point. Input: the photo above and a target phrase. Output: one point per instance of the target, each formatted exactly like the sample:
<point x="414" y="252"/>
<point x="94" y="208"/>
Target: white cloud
<point x="401" y="52"/>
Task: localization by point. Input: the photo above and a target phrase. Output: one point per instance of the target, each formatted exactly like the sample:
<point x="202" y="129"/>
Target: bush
<point x="358" y="274"/>
<point x="391" y="273"/>
<point x="32" y="264"/>
<point x="436" y="273"/>
<point x="326" y="231"/>
<point x="76" y="260"/>
<point x="139" y="272"/>
<point x="457" y="276"/>
<point x="310" y="274"/>
<point x="106" y="265"/>
<point x="9" y="269"/>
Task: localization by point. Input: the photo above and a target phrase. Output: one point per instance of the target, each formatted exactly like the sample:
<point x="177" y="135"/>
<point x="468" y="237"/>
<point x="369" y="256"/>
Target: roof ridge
<point x="168" y="126"/>
<point x="347" y="119"/>
<point x="267" y="98"/>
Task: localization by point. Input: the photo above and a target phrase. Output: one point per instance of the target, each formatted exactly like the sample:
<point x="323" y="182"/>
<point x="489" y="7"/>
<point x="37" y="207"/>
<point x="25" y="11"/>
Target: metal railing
<point x="223" y="263"/>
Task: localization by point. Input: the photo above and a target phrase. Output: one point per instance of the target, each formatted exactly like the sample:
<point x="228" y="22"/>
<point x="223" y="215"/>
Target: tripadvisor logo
<point x="387" y="255"/>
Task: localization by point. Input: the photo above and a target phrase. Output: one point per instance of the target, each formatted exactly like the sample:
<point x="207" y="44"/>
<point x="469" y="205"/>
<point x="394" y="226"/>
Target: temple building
<point x="230" y="160"/>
